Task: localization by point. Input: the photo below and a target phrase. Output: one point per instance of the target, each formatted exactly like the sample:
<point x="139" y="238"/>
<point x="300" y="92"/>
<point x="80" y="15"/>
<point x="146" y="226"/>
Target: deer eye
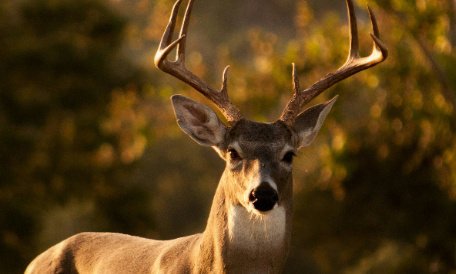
<point x="234" y="155"/>
<point x="288" y="157"/>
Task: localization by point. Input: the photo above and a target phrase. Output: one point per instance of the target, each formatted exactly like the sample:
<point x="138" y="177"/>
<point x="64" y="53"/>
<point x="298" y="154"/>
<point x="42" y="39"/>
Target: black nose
<point x="264" y="197"/>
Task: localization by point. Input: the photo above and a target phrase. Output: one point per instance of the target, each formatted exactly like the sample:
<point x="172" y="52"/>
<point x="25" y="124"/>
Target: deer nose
<point x="263" y="197"/>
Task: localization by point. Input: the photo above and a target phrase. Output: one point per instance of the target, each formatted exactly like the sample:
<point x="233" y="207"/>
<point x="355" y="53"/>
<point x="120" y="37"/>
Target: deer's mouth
<point x="263" y="198"/>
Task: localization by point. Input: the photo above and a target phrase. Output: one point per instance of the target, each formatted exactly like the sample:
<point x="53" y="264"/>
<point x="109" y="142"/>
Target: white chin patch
<point x="250" y="228"/>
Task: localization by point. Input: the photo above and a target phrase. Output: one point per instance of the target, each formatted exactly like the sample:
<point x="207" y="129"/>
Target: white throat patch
<point x="250" y="230"/>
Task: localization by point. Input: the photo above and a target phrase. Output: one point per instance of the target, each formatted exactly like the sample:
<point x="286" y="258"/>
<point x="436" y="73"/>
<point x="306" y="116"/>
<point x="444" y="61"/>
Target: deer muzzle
<point x="264" y="197"/>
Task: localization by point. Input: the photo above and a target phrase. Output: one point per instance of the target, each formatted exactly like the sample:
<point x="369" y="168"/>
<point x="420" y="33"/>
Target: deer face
<point x="259" y="156"/>
<point x="259" y="159"/>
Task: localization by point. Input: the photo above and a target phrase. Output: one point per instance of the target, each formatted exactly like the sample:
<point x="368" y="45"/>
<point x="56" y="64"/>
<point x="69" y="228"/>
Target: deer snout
<point x="264" y="197"/>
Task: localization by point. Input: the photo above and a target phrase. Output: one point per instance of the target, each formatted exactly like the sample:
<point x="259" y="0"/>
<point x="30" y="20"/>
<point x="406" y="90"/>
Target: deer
<point x="249" y="225"/>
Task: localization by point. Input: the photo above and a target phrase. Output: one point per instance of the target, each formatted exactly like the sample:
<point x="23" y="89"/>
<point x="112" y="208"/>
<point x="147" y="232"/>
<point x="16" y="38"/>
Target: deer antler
<point x="354" y="64"/>
<point x="177" y="68"/>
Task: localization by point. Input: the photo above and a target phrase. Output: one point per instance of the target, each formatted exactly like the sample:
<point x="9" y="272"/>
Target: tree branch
<point x="447" y="91"/>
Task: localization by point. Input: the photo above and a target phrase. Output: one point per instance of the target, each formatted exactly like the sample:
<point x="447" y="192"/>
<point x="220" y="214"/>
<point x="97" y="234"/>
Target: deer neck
<point x="235" y="238"/>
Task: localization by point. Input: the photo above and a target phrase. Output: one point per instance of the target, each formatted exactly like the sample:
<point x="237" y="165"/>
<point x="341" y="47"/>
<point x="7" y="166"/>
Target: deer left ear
<point x="309" y="122"/>
<point x="198" y="121"/>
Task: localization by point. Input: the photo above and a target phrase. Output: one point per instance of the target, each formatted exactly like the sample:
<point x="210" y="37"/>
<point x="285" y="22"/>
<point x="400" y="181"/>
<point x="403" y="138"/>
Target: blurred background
<point x="89" y="142"/>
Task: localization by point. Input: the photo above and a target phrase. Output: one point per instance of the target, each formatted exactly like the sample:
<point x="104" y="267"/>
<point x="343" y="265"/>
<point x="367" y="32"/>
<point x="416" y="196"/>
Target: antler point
<point x="295" y="79"/>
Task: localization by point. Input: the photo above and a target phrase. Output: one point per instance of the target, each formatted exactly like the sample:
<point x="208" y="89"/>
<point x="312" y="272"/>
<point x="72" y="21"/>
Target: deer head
<point x="258" y="153"/>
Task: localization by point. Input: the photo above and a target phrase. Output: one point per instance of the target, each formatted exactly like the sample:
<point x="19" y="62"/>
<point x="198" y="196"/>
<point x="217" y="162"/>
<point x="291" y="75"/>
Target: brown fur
<point x="238" y="238"/>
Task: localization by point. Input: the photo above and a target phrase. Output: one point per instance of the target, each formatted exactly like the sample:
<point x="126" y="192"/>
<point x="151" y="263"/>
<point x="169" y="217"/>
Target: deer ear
<point x="309" y="122"/>
<point x="198" y="121"/>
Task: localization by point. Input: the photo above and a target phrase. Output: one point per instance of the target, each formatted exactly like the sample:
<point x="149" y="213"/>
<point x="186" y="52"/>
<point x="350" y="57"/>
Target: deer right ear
<point x="309" y="122"/>
<point x="198" y="121"/>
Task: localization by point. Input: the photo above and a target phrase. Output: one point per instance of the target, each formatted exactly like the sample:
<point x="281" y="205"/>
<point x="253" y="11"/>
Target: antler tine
<point x="353" y="31"/>
<point x="353" y="65"/>
<point x="177" y="68"/>
<point x="165" y="44"/>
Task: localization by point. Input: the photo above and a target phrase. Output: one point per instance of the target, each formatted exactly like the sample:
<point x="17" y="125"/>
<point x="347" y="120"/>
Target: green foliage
<point x="87" y="143"/>
<point x="391" y="165"/>
<point x="60" y="61"/>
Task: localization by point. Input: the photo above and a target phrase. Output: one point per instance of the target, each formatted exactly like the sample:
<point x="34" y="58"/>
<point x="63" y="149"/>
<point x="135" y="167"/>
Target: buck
<point x="249" y="225"/>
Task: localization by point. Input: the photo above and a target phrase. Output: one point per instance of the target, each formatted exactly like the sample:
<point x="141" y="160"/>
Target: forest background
<point x="89" y="142"/>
